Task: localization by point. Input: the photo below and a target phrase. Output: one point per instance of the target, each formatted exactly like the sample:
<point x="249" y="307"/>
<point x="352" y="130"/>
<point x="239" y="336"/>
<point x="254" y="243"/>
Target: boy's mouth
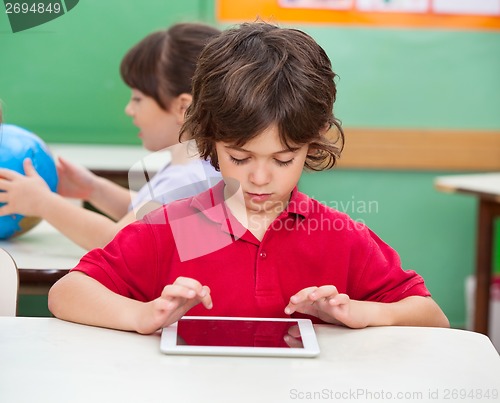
<point x="259" y="197"/>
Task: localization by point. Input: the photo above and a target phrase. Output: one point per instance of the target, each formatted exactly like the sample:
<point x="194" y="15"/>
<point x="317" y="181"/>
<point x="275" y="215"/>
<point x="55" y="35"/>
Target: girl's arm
<point x="110" y="198"/>
<point x="84" y="227"/>
<point x="78" y="182"/>
<point x="30" y="196"/>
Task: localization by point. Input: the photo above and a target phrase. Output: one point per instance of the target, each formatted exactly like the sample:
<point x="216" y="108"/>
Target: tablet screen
<point x="238" y="333"/>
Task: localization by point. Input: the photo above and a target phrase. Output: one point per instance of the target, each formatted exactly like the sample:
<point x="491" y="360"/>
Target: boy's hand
<point x="175" y="300"/>
<point x="329" y="305"/>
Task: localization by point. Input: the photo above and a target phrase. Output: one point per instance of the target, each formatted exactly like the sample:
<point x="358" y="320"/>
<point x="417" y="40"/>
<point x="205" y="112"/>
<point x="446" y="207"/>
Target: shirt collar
<point x="211" y="204"/>
<point x="208" y="201"/>
<point x="300" y="204"/>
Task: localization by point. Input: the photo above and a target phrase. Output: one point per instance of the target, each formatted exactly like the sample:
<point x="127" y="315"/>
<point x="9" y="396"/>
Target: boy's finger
<point x="289" y="309"/>
<point x="190" y="283"/>
<point x="325" y="291"/>
<point x="302" y="295"/>
<point x="178" y="291"/>
<point x="206" y="298"/>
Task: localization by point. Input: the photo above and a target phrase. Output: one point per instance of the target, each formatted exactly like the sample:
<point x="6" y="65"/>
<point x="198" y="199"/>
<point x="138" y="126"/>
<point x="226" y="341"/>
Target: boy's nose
<point x="260" y="176"/>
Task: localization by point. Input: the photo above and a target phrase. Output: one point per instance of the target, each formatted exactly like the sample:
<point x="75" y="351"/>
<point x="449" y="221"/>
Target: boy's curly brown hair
<point x="256" y="75"/>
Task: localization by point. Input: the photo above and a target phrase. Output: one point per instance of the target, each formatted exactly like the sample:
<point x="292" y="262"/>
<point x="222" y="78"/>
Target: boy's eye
<point x="136" y="99"/>
<point x="283" y="163"/>
<point x="239" y="161"/>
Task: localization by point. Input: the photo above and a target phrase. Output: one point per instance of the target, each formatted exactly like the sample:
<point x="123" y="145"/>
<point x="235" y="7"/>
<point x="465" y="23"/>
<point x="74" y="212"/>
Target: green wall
<point x="415" y="78"/>
<point x="61" y="80"/>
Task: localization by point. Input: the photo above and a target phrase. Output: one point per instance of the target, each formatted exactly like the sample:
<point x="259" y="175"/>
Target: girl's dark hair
<point x="256" y="75"/>
<point x="162" y="64"/>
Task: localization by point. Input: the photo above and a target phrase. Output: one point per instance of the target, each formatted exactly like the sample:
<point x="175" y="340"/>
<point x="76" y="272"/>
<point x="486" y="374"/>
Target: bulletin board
<point x="446" y="14"/>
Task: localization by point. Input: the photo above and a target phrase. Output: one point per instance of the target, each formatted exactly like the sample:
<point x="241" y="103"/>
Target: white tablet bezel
<point x="168" y="344"/>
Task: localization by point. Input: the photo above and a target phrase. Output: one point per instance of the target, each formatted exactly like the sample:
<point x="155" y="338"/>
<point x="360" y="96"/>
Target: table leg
<point x="488" y="210"/>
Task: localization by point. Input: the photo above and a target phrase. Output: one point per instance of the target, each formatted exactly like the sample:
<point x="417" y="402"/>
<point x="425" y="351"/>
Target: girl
<point x="158" y="70"/>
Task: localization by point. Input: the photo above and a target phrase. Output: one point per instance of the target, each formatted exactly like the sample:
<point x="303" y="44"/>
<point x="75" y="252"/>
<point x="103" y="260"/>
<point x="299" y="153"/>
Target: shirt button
<point x="263" y="255"/>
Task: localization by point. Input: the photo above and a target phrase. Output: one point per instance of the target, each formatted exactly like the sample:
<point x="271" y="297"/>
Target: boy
<point x="252" y="245"/>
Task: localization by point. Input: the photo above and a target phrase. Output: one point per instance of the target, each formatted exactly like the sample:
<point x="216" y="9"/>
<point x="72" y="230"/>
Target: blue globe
<point x="16" y="144"/>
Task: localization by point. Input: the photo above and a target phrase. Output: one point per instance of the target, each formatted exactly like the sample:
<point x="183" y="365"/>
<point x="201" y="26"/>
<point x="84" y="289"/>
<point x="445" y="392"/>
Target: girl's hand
<point x="23" y="194"/>
<point x="74" y="181"/>
<point x="327" y="304"/>
<point x="175" y="300"/>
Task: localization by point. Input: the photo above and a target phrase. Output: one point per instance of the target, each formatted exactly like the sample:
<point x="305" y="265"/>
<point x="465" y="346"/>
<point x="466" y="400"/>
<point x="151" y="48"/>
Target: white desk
<point x="486" y="187"/>
<point x="101" y="156"/>
<point x="43" y="255"/>
<point x="114" y="162"/>
<point x="48" y="360"/>
<point x="486" y="184"/>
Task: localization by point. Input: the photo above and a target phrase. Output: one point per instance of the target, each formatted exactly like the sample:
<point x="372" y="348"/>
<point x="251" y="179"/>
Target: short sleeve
<point x="381" y="277"/>
<point x="128" y="265"/>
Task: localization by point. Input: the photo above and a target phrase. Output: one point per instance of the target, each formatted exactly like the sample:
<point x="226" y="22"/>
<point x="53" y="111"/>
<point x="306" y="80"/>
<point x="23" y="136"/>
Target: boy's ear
<point x="325" y="129"/>
<point x="179" y="106"/>
<point x="312" y="151"/>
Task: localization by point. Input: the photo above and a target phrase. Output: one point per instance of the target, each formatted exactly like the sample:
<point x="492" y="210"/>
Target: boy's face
<point x="265" y="170"/>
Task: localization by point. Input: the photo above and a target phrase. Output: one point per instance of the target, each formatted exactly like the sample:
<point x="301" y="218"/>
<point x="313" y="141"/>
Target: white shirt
<point x="177" y="181"/>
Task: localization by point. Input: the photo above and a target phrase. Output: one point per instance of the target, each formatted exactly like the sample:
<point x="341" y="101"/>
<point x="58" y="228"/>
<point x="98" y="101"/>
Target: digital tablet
<point x="214" y="335"/>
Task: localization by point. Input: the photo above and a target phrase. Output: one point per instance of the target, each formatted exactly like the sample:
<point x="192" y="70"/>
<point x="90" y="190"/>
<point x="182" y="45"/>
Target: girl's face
<point x="158" y="128"/>
<point x="265" y="170"/>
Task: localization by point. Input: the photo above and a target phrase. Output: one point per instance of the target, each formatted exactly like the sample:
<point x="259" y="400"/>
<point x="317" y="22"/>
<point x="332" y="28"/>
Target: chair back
<point x="9" y="284"/>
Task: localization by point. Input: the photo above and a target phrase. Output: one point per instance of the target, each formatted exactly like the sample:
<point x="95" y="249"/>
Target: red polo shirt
<point x="309" y="244"/>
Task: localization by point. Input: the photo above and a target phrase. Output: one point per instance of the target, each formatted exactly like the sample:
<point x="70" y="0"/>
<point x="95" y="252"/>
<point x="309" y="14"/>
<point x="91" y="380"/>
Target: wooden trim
<point x="415" y="149"/>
